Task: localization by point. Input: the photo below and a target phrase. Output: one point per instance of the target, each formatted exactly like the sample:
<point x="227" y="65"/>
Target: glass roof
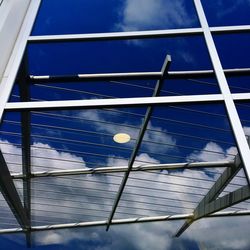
<point x="65" y="165"/>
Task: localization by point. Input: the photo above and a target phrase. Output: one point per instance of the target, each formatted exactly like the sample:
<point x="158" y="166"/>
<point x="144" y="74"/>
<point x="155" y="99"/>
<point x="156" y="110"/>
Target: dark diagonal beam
<point x="164" y="72"/>
<point x="11" y="195"/>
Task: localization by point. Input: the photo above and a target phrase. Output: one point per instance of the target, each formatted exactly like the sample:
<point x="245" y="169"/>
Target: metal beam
<point x="206" y="73"/>
<point x="26" y="149"/>
<point x="125" y="221"/>
<point x="213" y="193"/>
<point x="116" y="35"/>
<point x="108" y="103"/>
<point x="233" y="116"/>
<point x="96" y="77"/>
<point x="230" y="29"/>
<point x="136" y="34"/>
<point x="10" y="194"/>
<point x="12" y="67"/>
<point x="7" y="186"/>
<point x="158" y="86"/>
<point x="134" y="75"/>
<point x="107" y="170"/>
<point x="121" y="102"/>
<point x="226" y="201"/>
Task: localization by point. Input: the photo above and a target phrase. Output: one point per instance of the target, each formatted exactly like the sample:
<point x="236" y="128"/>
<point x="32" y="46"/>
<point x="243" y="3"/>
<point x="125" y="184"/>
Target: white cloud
<point x="208" y="153"/>
<point x="221" y="233"/>
<point x="150" y="14"/>
<point x="42" y="155"/>
<point x="155" y="235"/>
<point x="51" y="238"/>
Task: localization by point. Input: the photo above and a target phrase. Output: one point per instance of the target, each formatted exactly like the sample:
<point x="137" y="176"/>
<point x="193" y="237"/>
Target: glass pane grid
<point x="84" y="140"/>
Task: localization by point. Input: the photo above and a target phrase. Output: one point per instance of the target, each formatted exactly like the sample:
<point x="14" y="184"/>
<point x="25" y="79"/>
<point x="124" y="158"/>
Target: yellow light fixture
<point x="121" y="138"/>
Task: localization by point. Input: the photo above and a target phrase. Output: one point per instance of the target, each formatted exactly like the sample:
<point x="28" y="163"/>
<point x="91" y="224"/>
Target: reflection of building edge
<point x="210" y="205"/>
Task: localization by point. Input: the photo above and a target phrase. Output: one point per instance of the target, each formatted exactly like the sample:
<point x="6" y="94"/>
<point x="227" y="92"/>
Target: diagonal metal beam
<point x="11" y="70"/>
<point x="157" y="90"/>
<point x="11" y="195"/>
<point x="213" y="193"/>
<point x="228" y="200"/>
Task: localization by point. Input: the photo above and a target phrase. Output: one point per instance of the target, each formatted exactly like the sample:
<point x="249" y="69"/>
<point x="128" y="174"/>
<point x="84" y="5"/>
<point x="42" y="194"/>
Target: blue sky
<point x="84" y="137"/>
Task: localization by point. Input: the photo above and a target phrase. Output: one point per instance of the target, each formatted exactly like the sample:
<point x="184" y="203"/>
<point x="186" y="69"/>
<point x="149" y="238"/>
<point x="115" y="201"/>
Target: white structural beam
<point x="136" y="34"/>
<point x="18" y="16"/>
<point x="234" y="119"/>
<point x="116" y="35"/>
<point x="142" y="131"/>
<point x="12" y="14"/>
<point x="107" y="103"/>
<point x="124" y="221"/>
<point x="121" y="102"/>
<point x="11" y="69"/>
<point x="140" y="168"/>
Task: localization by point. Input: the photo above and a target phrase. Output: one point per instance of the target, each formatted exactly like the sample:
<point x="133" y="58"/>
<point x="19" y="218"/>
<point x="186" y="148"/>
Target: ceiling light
<point x="121" y="138"/>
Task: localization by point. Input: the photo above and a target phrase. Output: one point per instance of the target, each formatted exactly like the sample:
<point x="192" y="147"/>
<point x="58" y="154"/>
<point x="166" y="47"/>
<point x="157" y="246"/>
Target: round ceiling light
<point x="121" y="138"/>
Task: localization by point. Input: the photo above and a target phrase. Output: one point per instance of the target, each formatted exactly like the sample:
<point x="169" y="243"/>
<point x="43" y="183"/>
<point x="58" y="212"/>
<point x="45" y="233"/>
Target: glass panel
<point x="70" y="199"/>
<point x="233" y="50"/>
<point x="229" y="12"/>
<point x="188" y="53"/>
<point x="67" y="17"/>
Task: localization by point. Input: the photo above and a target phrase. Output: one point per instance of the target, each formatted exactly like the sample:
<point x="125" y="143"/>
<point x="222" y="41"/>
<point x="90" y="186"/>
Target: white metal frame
<point x="226" y="97"/>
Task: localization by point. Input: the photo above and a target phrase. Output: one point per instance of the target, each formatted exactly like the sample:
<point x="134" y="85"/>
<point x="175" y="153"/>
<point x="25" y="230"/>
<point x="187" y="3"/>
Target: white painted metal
<point x="116" y="35"/>
<point x="12" y="14"/>
<point x="15" y="28"/>
<point x="136" y="34"/>
<point x="121" y="102"/>
<point x="15" y="58"/>
<point x="228" y="99"/>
